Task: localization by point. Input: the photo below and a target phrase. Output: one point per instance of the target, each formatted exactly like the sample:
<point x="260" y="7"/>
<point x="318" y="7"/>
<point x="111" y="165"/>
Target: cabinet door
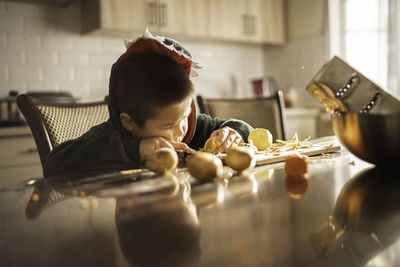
<point x="254" y="17"/>
<point x="273" y="22"/>
<point x="171" y="16"/>
<point x="124" y="15"/>
<point x="226" y="18"/>
<point x="182" y="17"/>
<point x="196" y="17"/>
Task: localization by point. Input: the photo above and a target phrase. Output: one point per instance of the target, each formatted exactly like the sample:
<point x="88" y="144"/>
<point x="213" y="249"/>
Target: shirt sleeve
<point x="205" y="125"/>
<point x="100" y="149"/>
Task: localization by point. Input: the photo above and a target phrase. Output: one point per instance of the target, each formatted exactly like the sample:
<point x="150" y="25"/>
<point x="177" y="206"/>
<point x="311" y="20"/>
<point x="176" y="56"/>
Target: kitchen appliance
<point x="11" y="116"/>
<point x="339" y="87"/>
<point x="265" y="86"/>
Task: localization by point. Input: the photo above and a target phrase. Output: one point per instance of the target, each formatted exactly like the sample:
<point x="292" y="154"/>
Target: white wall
<point x="306" y="50"/>
<point x="41" y="48"/>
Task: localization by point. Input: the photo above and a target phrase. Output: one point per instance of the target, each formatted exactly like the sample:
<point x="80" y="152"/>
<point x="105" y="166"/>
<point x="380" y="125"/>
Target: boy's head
<point x="153" y="95"/>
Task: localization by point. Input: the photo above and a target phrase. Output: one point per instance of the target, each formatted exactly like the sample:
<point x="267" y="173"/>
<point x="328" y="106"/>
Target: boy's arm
<point x="100" y="149"/>
<point x="205" y="125"/>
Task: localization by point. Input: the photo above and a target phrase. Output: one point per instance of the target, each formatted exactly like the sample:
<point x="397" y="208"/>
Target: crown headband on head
<point x="164" y="46"/>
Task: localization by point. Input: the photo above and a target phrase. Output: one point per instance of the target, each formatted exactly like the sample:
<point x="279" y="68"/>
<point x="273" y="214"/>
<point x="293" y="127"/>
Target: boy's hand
<point x="225" y="138"/>
<point x="149" y="145"/>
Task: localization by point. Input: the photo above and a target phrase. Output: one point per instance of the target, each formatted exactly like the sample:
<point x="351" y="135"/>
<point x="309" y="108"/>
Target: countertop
<point x="347" y="215"/>
<point x="302" y="111"/>
<point x="15" y="131"/>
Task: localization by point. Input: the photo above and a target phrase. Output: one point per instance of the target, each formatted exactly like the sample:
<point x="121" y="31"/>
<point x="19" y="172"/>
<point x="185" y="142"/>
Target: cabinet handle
<point x="245" y="24"/>
<point x="152" y="13"/>
<point x="163" y="15"/>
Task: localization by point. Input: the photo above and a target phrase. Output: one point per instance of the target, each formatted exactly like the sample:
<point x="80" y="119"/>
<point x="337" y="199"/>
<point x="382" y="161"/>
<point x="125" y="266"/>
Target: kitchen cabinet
<point x="226" y="19"/>
<point x="173" y="17"/>
<point x="273" y="21"/>
<point x="19" y="158"/>
<point x="257" y="21"/>
<point x="180" y="18"/>
<point x="117" y="16"/>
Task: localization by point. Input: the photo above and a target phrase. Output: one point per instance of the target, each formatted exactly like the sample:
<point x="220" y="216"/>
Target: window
<point x="359" y="33"/>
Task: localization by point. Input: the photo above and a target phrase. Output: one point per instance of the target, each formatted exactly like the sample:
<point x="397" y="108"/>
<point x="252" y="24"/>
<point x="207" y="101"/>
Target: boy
<point x="150" y="105"/>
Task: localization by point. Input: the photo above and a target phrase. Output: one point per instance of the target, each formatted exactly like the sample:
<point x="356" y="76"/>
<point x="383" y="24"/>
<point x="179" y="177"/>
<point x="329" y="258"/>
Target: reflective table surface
<point x="346" y="212"/>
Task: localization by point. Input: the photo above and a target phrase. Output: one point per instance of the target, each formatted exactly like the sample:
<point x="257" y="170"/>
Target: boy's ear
<point x="127" y="122"/>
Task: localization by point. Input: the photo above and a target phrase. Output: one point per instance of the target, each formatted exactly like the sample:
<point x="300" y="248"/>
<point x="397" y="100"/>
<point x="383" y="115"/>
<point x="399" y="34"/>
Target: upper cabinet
<point x="257" y="21"/>
<point x="273" y="22"/>
<point x="180" y="17"/>
<point x="117" y="16"/>
<point x="226" y="19"/>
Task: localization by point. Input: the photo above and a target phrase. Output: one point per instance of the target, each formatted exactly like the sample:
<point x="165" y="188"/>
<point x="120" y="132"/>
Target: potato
<point x="205" y="166"/>
<point x="240" y="158"/>
<point x="211" y="145"/>
<point x="261" y="138"/>
<point x="162" y="160"/>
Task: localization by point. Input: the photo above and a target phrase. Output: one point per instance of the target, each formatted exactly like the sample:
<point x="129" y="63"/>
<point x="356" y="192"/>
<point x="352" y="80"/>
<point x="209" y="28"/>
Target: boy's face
<point x="170" y="122"/>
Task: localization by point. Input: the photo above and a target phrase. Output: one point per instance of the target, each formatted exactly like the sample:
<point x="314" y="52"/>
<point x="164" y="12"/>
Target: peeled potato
<point x="261" y="138"/>
<point x="211" y="145"/>
<point x="205" y="166"/>
<point x="240" y="158"/>
<point x="162" y="160"/>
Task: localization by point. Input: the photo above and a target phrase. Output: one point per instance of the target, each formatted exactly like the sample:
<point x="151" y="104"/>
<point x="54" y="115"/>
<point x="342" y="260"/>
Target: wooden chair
<point x="260" y="112"/>
<point x="51" y="124"/>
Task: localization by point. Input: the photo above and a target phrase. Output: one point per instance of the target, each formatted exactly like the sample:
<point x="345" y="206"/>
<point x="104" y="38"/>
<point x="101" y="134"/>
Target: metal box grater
<point x="341" y="88"/>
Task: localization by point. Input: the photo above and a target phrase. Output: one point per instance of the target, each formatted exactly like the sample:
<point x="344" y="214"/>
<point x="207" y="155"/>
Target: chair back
<point x="260" y="112"/>
<point x="51" y="124"/>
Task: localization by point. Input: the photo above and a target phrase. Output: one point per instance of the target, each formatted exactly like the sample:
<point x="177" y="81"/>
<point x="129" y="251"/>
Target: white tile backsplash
<point x="7" y="86"/>
<point x="25" y="73"/>
<point x="43" y="86"/>
<point x="40" y="57"/>
<point x="88" y="74"/>
<point x="23" y="40"/>
<point x="11" y="24"/>
<point x="3" y="74"/>
<point x="73" y="58"/>
<point x="3" y="40"/>
<point x="102" y="59"/>
<point x="2" y="8"/>
<point x="87" y="43"/>
<point x="57" y="73"/>
<point x="11" y="55"/>
<point x="56" y="41"/>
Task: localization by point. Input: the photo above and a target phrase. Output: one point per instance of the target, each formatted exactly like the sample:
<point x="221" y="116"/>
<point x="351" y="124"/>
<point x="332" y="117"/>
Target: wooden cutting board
<point x="320" y="146"/>
<point x="268" y="158"/>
